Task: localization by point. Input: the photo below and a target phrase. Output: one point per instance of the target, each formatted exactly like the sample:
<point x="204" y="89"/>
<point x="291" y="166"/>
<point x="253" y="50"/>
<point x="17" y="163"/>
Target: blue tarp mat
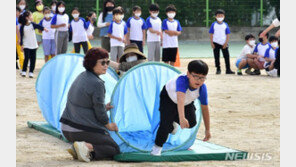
<point x="200" y="151"/>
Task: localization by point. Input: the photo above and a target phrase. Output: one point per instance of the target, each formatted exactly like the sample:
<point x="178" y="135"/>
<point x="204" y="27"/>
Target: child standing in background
<point x="171" y="30"/>
<point x="219" y="36"/>
<point x="29" y="41"/>
<point x="49" y="47"/>
<point x="60" y="22"/>
<point x="78" y="28"/>
<point x="154" y="33"/>
<point x="137" y="28"/>
<point x="91" y="19"/>
<point x="117" y="33"/>
<point x="37" y="17"/>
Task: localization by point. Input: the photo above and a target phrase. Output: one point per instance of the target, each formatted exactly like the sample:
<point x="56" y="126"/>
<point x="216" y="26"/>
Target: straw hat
<point x="131" y="48"/>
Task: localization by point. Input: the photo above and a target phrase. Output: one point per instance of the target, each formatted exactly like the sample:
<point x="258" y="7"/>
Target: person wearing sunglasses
<point x="85" y="121"/>
<point x="177" y="103"/>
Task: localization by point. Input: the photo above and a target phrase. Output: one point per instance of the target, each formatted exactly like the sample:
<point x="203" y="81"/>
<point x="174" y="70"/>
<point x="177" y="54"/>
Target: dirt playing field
<point x="244" y="111"/>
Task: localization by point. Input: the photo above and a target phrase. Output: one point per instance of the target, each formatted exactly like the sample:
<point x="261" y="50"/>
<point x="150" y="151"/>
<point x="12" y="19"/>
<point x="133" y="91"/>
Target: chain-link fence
<point x="190" y="13"/>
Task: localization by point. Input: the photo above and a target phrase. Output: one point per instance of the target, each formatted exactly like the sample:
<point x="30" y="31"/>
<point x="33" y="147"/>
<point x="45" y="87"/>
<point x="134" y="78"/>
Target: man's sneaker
<point x="83" y="153"/>
<point x="229" y="72"/>
<point x="256" y="72"/>
<point x="156" y="150"/>
<point x="218" y="71"/>
<point x="23" y="74"/>
<point x="72" y="151"/>
<point x="31" y="75"/>
<point x="248" y="71"/>
<point x="239" y="72"/>
<point x="175" y="125"/>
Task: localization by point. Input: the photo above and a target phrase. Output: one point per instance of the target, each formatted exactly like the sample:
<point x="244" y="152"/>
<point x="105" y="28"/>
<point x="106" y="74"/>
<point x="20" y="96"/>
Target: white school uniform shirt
<point x="170" y="41"/>
<point x="246" y="50"/>
<point x="29" y="38"/>
<point x="117" y="30"/>
<point x="60" y="19"/>
<point x="90" y="29"/>
<point x="219" y="32"/>
<point x="78" y="28"/>
<point x="51" y="31"/>
<point x="136" y="27"/>
<point x="261" y="49"/>
<point x="180" y="83"/>
<point x="155" y="24"/>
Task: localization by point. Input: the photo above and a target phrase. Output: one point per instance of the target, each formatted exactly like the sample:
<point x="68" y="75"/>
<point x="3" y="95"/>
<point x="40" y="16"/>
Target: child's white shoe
<point x="23" y="74"/>
<point x="31" y="75"/>
<point x="175" y="128"/>
<point x="82" y="151"/>
<point x="156" y="150"/>
<point x="272" y="73"/>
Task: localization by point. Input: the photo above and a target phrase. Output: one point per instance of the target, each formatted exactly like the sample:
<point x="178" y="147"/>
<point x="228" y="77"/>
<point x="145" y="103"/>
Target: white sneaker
<point x="31" y="75"/>
<point x="23" y="74"/>
<point x="272" y="73"/>
<point x="156" y="150"/>
<point x="175" y="128"/>
<point x="82" y="151"/>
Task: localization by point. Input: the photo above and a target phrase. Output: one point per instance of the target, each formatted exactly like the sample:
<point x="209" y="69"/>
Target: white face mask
<point x="138" y="14"/>
<point x="119" y="17"/>
<point x="154" y="14"/>
<point x="171" y="15"/>
<point x="61" y="9"/>
<point x="75" y="15"/>
<point x="252" y="42"/>
<point x="47" y="15"/>
<point x="220" y="19"/>
<point x="274" y="44"/>
<point x="131" y="58"/>
<point x="53" y="8"/>
<point x="22" y="7"/>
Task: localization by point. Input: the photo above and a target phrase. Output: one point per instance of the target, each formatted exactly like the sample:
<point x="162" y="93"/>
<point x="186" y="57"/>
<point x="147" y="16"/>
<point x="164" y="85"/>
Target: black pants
<point x="84" y="46"/>
<point x="30" y="54"/>
<point x="169" y="114"/>
<point x="277" y="62"/>
<point x="104" y="146"/>
<point x="169" y="54"/>
<point x="139" y="44"/>
<point x="225" y="55"/>
<point x="17" y="67"/>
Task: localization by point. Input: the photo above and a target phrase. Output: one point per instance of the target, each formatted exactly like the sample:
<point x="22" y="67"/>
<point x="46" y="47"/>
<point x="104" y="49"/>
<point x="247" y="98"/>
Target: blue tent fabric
<point x="55" y="80"/>
<point x="135" y="97"/>
<point x="136" y="102"/>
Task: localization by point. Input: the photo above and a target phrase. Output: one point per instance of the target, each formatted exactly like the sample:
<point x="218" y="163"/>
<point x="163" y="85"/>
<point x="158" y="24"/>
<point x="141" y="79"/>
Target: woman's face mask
<point x="109" y="8"/>
<point x="132" y="58"/>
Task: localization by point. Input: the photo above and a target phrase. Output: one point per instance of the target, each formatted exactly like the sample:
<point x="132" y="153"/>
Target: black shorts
<point x="169" y="54"/>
